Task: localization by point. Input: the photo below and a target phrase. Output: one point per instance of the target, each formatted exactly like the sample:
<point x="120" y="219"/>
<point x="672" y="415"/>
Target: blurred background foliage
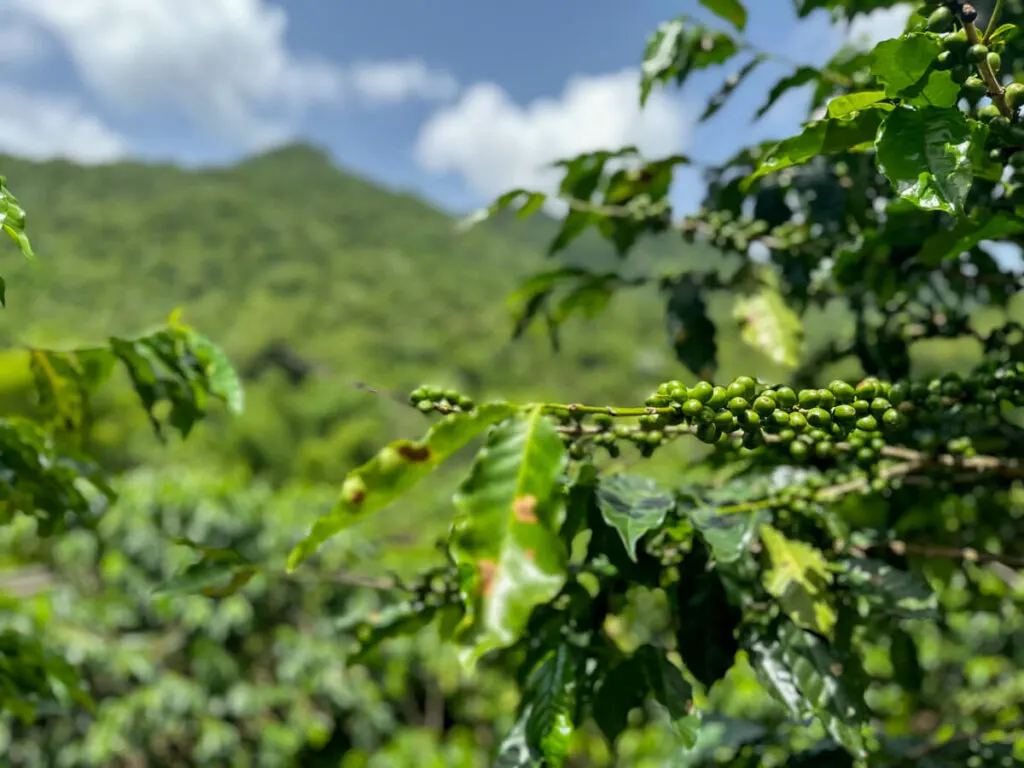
<point x="314" y="280"/>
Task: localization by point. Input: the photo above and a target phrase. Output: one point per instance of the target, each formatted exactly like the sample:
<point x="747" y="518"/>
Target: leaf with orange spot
<point x="394" y="471"/>
<point x="505" y="532"/>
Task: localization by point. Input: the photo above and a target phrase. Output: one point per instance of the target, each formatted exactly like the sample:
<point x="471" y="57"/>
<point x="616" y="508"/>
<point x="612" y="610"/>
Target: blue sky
<point x="455" y="99"/>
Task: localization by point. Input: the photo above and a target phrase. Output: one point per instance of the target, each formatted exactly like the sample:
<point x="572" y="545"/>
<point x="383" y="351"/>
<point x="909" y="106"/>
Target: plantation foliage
<point x="788" y="536"/>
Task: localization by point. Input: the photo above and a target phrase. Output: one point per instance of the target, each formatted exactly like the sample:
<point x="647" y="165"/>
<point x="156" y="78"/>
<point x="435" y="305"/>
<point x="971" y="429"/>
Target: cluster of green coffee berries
<point x="429" y="399"/>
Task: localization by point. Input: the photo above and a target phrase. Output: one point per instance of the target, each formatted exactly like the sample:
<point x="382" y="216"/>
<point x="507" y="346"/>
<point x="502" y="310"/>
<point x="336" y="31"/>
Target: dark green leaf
<point x="889" y="590"/>
<point x="799" y="670"/>
<point x="545" y="726"/>
<point x="633" y="506"/>
<point x="213" y="578"/>
<point x="728" y="536"/>
<point x="730" y="10"/>
<point x="618" y="695"/>
<point x="706" y="638"/>
<point x="394" y="471"/>
<point x="671" y="691"/>
<point x="676" y="49"/>
<point x="799" y="580"/>
<point x="65" y="381"/>
<point x="967" y="233"/>
<point x="927" y="155"/>
<point x="822" y="137"/>
<point x="690" y="329"/>
<point x="731" y="83"/>
<point x="505" y="531"/>
<point x="801" y="77"/>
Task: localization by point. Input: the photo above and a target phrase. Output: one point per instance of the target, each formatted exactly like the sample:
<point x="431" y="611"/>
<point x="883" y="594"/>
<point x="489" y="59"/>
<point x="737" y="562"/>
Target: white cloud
<point x="495" y="144"/>
<point x="389" y="82"/>
<point x="43" y="127"/>
<point x="224" y="63"/>
<point x="882" y="24"/>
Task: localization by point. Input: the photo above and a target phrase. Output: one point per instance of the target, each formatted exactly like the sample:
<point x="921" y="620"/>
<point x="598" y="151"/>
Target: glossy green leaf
<point x="706" y="640"/>
<point x="799" y="579"/>
<point x="800" y="77"/>
<point x="887" y="589"/>
<point x="544" y="728"/>
<point x="223" y="380"/>
<point x="731" y="83"/>
<point x="12" y="220"/>
<point x="905" y="67"/>
<point x="822" y="137"/>
<point x="798" y="668"/>
<point x="670" y="691"/>
<point x="967" y="233"/>
<point x="844" y="106"/>
<point x="394" y="471"/>
<point x="1003" y="33"/>
<point x="730" y="10"/>
<point x="506" y="531"/>
<point x="927" y="156"/>
<point x="678" y="48"/>
<point x="728" y="536"/>
<point x="633" y="505"/>
<point x="768" y="324"/>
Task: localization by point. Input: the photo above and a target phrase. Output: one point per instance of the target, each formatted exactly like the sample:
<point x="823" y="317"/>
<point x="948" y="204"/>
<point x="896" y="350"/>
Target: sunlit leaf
<point x="394" y="471"/>
<point x="889" y="590"/>
<point x="768" y="324"/>
<point x="506" y="531"/>
<point x="799" y="670"/>
<point x="844" y="106"/>
<point x="821" y="137"/>
<point x="927" y="155"/>
<point x="730" y="10"/>
<point x="678" y="48"/>
<point x="633" y="505"/>
<point x="799" y="578"/>
<point x="12" y="220"/>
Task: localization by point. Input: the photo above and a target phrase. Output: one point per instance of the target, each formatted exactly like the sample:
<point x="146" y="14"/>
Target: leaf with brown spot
<point x="507" y="513"/>
<point x="395" y="471"/>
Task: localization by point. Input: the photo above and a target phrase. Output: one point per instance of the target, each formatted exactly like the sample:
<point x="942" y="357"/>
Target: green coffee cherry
<point x="844" y="414"/>
<point x="785" y="397"/>
<point x="797" y="422"/>
<point x="974" y="89"/>
<point x="1015" y="95"/>
<point x="809" y="398"/>
<point x="426" y="406"/>
<point x="719" y="397"/>
<point x="764" y="405"/>
<point x="868" y="423"/>
<point x="702" y="391"/>
<point x="946" y="60"/>
<point x="819" y="417"/>
<point x="843" y="392"/>
<point x="941" y="20"/>
<point x="977" y="52"/>
<point x="738" y="404"/>
<point x="955" y="43"/>
<point x="988" y="113"/>
<point x="995" y="63"/>
<point x="692" y="407"/>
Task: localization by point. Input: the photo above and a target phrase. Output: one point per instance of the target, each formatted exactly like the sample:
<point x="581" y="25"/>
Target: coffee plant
<point x="49" y="481"/>
<point x="855" y="543"/>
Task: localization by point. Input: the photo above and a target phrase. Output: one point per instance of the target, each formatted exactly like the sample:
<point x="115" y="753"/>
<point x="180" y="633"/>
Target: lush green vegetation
<point x="801" y="548"/>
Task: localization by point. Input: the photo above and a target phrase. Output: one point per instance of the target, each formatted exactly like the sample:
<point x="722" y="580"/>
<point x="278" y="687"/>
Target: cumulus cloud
<point x="390" y="82"/>
<point x="494" y="144"/>
<point x="879" y="25"/>
<point x="224" y="63"/>
<point x="43" y="127"/>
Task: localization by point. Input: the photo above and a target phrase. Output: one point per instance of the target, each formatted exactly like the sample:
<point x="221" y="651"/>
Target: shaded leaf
<point x="967" y="233"/>
<point x="769" y="325"/>
<point x="927" y="156"/>
<point x="800" y="77"/>
<point x="394" y="471"/>
<point x="821" y="137"/>
<point x="633" y="506"/>
<point x="213" y="578"/>
<point x="690" y="329"/>
<point x="677" y="48"/>
<point x="65" y="381"/>
<point x="730" y="10"/>
<point x="670" y="691"/>
<point x="888" y="589"/>
<point x="706" y="639"/>
<point x="800" y="671"/>
<point x="731" y="83"/>
<point x="798" y="579"/>
<point x="618" y="695"/>
<point x="505" y="531"/>
<point x="400" y="619"/>
<point x="544" y="728"/>
<point x="728" y="536"/>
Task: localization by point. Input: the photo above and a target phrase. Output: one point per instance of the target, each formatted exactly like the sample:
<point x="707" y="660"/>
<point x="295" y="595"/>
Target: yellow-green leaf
<point x="798" y="579"/>
<point x="769" y="325"/>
